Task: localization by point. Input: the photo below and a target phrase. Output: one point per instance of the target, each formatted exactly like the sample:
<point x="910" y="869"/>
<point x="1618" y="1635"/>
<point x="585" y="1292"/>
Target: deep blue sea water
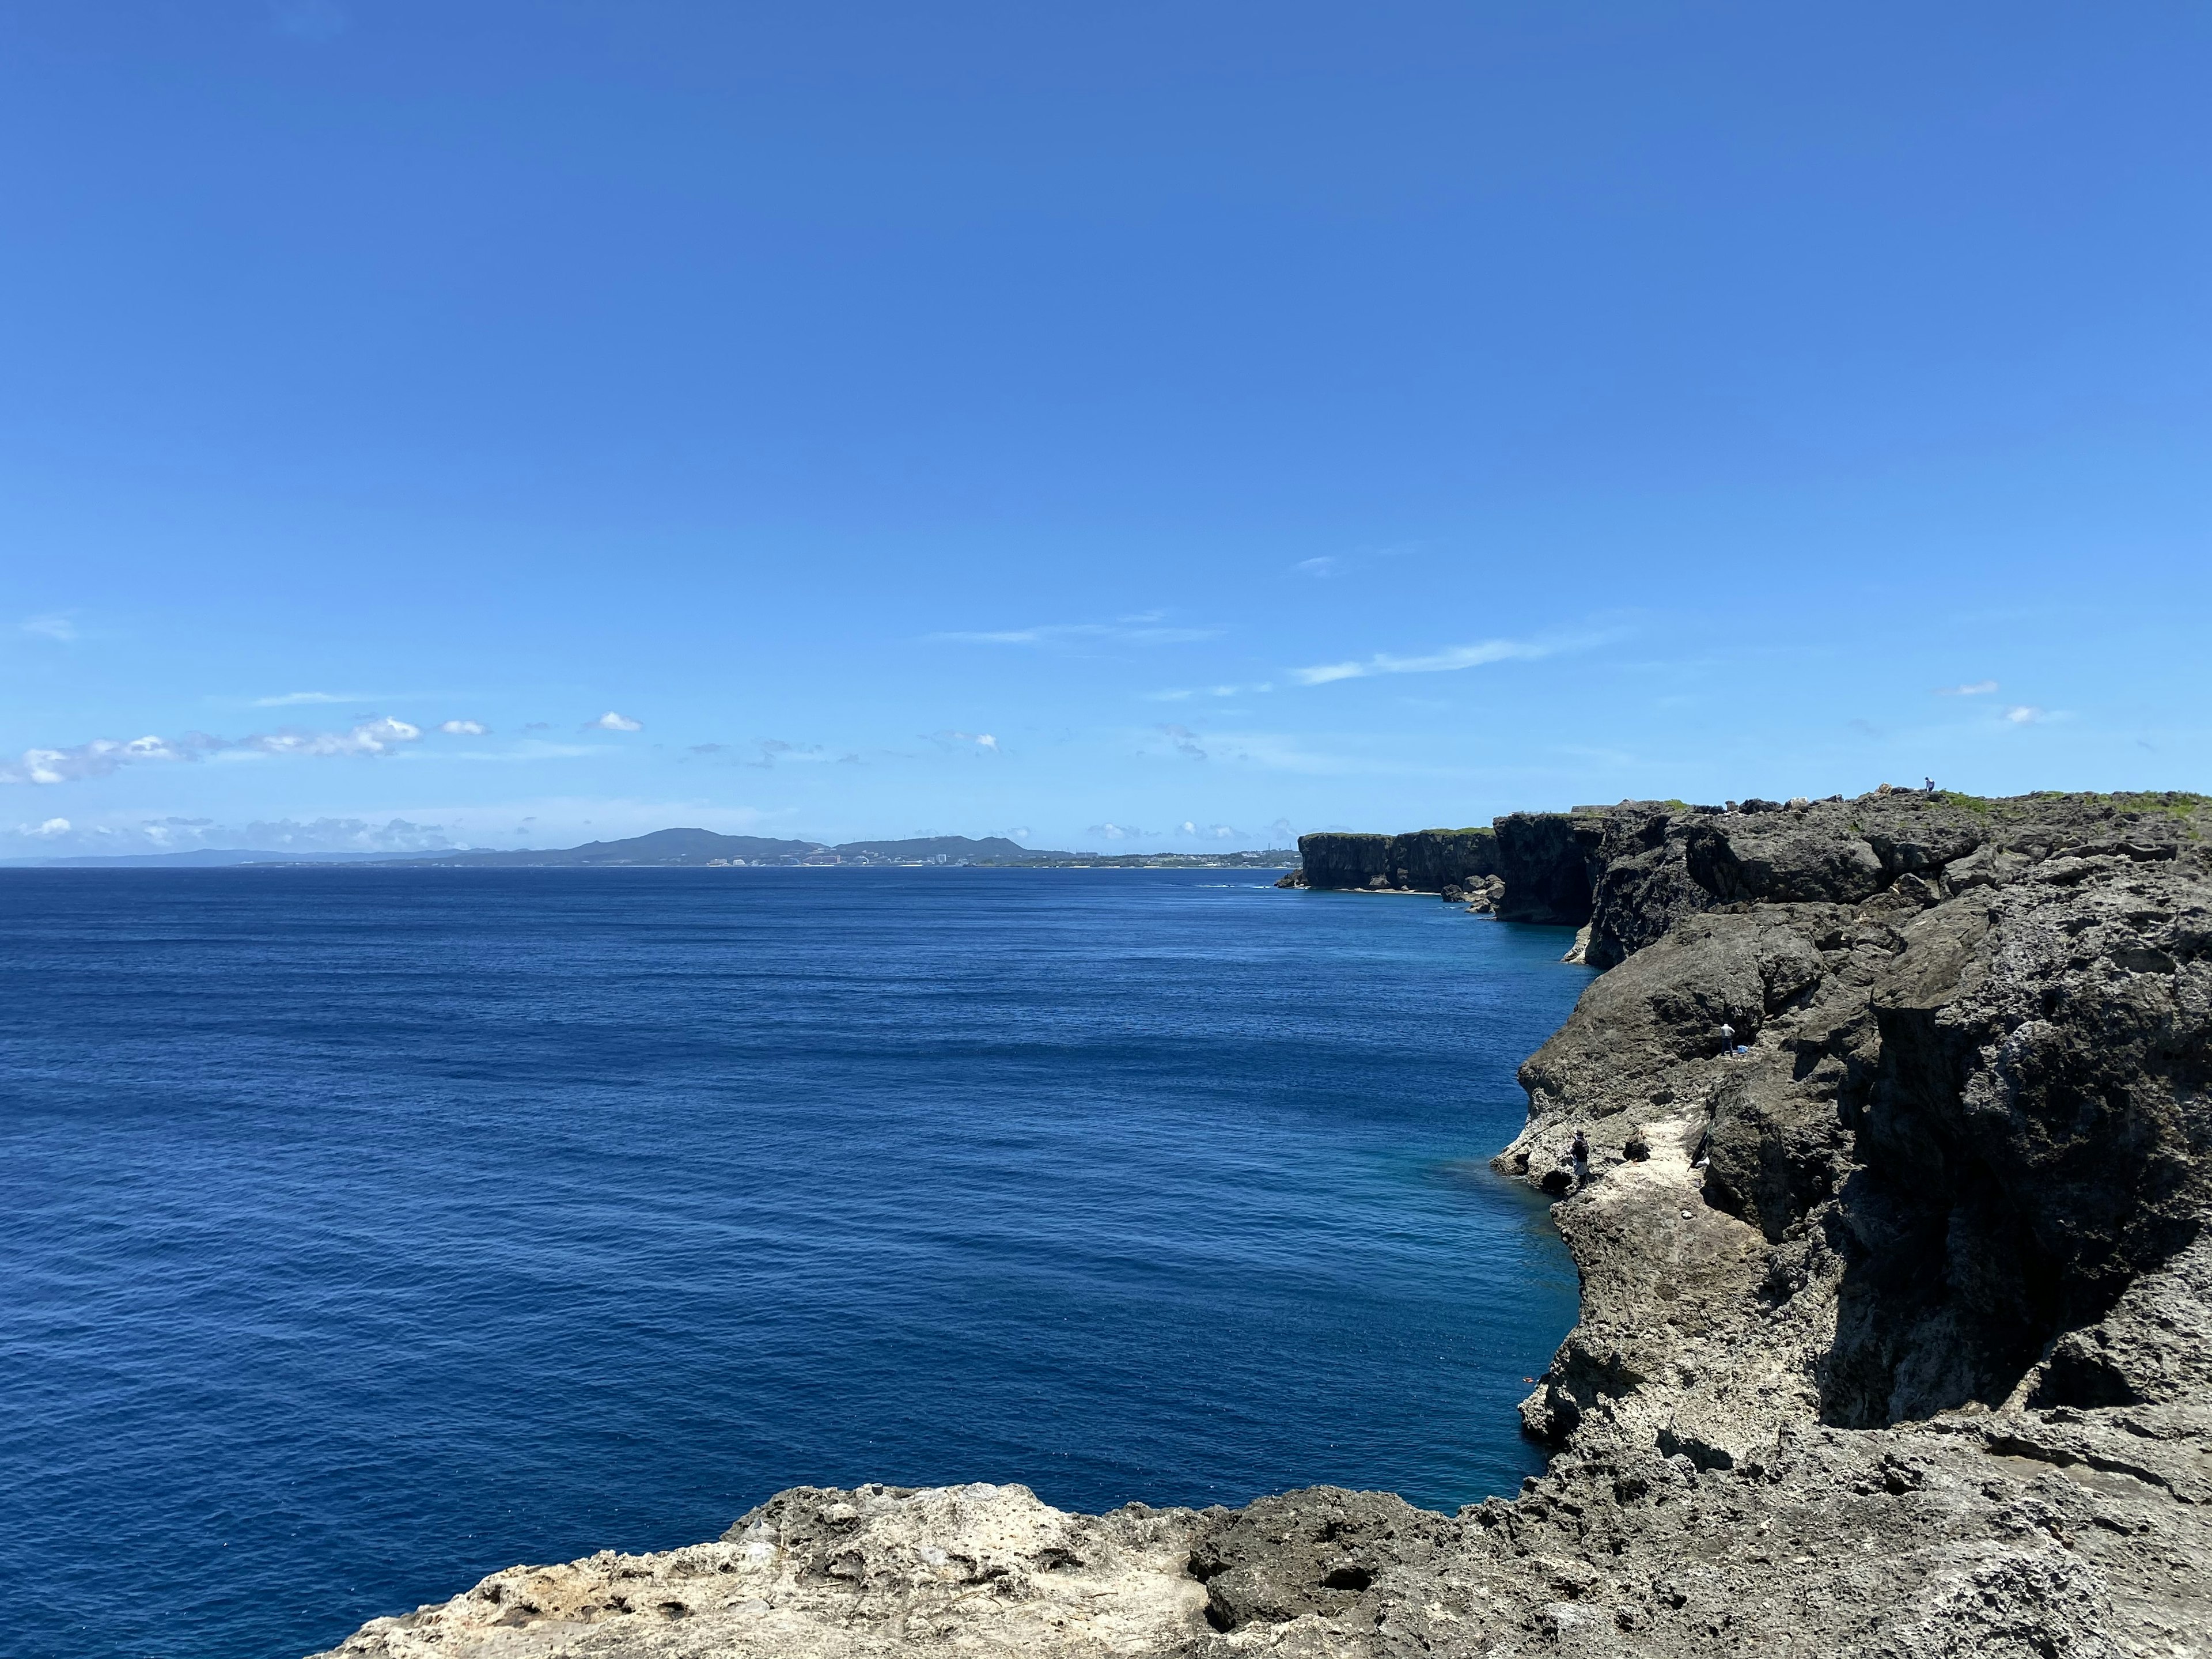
<point x="365" y="1231"/>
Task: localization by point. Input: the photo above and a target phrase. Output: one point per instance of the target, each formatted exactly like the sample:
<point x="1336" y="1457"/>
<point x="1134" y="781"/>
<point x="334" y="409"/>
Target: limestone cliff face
<point x="1896" y="1327"/>
<point x="1423" y="861"/>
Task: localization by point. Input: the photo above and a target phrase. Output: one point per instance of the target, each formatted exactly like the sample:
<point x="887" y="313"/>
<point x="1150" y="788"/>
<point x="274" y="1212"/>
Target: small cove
<point x="374" y="1230"/>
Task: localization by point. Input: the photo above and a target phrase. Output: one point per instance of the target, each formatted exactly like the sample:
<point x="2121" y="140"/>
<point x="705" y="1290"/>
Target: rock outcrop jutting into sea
<point x="1896" y="1328"/>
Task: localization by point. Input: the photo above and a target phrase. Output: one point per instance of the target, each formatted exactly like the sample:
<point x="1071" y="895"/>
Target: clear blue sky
<point x="1089" y="421"/>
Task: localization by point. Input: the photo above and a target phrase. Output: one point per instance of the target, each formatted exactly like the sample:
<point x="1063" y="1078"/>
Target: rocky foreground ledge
<point x="1896" y="1333"/>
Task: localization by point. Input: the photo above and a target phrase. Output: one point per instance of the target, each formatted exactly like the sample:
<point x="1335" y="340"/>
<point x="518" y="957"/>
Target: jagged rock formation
<point x="1896" y="1333"/>
<point x="1423" y="861"/>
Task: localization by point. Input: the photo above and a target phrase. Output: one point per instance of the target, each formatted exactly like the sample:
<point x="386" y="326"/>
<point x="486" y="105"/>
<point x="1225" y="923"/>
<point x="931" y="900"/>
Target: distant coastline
<point x="698" y="849"/>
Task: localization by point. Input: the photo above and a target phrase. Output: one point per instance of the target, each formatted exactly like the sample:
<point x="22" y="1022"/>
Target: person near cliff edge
<point x="1579" y="1151"/>
<point x="1728" y="1038"/>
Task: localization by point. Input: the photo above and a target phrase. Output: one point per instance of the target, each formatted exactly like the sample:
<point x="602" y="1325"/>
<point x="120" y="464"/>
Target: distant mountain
<point x="662" y="846"/>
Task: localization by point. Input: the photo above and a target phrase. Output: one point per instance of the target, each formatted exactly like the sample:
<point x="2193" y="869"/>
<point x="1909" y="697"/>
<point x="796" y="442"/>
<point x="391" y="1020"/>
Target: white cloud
<point x="1975" y="689"/>
<point x="292" y="699"/>
<point x="179" y="835"/>
<point x="1115" y="831"/>
<point x="379" y="735"/>
<point x="610" y="721"/>
<point x="1439" y="662"/>
<point x="104" y="755"/>
<point x="1126" y="630"/>
<point x="1328" y="566"/>
<point x="53" y="626"/>
<point x="101" y="757"/>
<point x="463" y="728"/>
<point x="983" y="742"/>
<point x="2022" y="715"/>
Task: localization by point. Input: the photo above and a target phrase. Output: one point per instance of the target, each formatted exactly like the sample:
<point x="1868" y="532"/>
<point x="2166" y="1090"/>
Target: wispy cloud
<point x="611" y="721"/>
<point x="1185" y="741"/>
<point x="1146" y="629"/>
<point x="1329" y="565"/>
<point x="1975" y="689"/>
<point x="531" y="748"/>
<point x="2023" y="715"/>
<point x="1440" y="662"/>
<point x="463" y="728"/>
<point x="104" y="755"/>
<point x="293" y="699"/>
<point x="1184" y="694"/>
<point x="53" y="626"/>
<point x="772" y="749"/>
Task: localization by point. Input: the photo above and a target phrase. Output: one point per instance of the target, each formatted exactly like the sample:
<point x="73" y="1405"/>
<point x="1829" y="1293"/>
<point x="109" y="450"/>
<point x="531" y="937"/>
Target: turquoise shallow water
<point x="365" y="1231"/>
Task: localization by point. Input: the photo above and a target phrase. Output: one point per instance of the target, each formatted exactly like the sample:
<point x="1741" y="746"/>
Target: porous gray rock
<point x="1896" y="1325"/>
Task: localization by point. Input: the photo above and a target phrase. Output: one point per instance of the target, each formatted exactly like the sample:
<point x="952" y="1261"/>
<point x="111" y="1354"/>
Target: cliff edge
<point x="1896" y="1327"/>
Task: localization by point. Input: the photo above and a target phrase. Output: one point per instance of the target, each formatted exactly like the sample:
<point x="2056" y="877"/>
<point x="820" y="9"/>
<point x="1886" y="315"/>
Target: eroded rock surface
<point x="852" y="1575"/>
<point x="1896" y="1333"/>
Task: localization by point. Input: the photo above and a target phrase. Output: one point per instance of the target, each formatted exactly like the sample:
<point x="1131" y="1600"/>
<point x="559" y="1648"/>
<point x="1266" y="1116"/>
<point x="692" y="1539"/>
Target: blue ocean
<point x="363" y="1232"/>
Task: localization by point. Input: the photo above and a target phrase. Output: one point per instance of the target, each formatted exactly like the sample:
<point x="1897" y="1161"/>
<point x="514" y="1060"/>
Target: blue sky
<point x="1159" y="426"/>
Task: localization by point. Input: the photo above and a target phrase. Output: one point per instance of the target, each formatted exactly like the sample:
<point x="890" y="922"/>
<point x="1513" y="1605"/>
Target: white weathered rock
<point x="820" y="1574"/>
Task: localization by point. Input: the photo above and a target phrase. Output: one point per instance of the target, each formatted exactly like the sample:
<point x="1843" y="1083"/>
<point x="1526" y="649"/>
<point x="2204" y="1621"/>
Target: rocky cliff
<point x="1422" y="861"/>
<point x="1896" y="1331"/>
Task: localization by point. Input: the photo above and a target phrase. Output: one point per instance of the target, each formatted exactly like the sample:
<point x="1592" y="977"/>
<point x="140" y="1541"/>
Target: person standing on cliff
<point x="1579" y="1151"/>
<point x="1728" y="1038"/>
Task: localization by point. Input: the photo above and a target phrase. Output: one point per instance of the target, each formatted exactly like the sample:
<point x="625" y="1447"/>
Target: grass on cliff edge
<point x="2182" y="804"/>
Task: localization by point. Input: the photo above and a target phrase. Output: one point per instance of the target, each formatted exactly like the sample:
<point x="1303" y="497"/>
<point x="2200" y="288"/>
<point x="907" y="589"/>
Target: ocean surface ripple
<point x="365" y="1231"/>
